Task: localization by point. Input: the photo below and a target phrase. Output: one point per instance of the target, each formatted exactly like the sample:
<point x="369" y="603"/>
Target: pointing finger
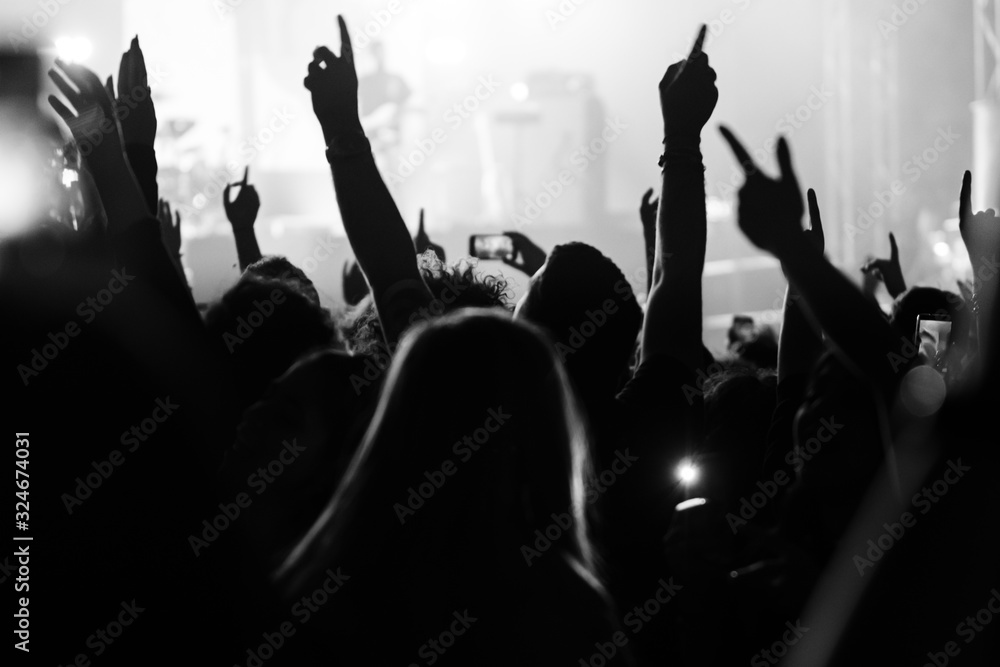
<point x="699" y="42"/>
<point x="965" y="198"/>
<point x="346" y="50"/>
<point x="746" y="162"/>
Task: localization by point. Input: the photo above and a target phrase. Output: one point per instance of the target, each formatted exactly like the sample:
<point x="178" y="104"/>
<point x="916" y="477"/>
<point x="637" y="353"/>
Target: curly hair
<point x="277" y="267"/>
<point x="359" y="326"/>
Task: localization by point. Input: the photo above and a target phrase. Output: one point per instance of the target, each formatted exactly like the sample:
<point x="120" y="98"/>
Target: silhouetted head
<point x="476" y="444"/>
<point x="265" y="326"/>
<point x="585" y="303"/>
<point x="277" y="267"/>
<point x="453" y="286"/>
<point x="739" y="402"/>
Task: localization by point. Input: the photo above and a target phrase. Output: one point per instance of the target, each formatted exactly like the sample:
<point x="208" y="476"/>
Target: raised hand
<point x="688" y="94"/>
<point x="99" y="140"/>
<point x="423" y="242"/>
<point x="770" y="211"/>
<point x="888" y="270"/>
<point x="170" y="228"/>
<point x="527" y="257"/>
<point x="242" y="211"/>
<point x="134" y="104"/>
<point x="93" y="125"/>
<point x="353" y="283"/>
<point x="647" y="212"/>
<point x="980" y="231"/>
<point x="333" y="82"/>
<point x="815" y="231"/>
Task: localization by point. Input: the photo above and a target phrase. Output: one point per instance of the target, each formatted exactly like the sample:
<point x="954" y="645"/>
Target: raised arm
<point x="374" y="226"/>
<point x="133" y="233"/>
<point x="770" y="214"/>
<point x="800" y="344"/>
<point x="888" y="270"/>
<point x="137" y="116"/>
<point x="673" y="321"/>
<point x="981" y="234"/>
<point x="170" y="231"/>
<point x="242" y="214"/>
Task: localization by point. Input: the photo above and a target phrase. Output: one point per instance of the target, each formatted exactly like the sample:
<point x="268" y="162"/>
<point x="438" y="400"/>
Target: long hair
<point x="475" y="446"/>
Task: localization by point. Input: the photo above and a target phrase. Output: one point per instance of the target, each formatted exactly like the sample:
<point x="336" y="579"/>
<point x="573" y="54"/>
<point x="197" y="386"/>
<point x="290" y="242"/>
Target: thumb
<point x="894" y="251"/>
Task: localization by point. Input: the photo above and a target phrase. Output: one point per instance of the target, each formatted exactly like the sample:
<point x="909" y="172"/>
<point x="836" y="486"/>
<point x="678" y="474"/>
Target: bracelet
<point x="681" y="152"/>
<point x="351" y="144"/>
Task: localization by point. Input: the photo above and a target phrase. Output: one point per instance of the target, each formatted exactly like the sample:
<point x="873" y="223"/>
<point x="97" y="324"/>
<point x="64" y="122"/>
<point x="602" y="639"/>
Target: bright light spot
<point x="446" y="51"/>
<point x="69" y="177"/>
<point x="199" y="200"/>
<point x="687" y="472"/>
<point x="22" y="193"/>
<point x="73" y="49"/>
<point x="519" y="91"/>
<point x="687" y="504"/>
<point x="942" y="249"/>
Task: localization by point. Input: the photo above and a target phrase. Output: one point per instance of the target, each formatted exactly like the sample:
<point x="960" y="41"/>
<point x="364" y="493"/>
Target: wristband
<point x="351" y="144"/>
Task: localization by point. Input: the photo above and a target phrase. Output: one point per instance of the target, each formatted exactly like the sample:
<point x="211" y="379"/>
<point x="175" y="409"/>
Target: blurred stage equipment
<point x="543" y="143"/>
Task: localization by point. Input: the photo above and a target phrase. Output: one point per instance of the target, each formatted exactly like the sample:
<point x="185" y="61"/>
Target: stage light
<point x="73" y="49"/>
<point x="519" y="91"/>
<point x="942" y="249"/>
<point x="687" y="472"/>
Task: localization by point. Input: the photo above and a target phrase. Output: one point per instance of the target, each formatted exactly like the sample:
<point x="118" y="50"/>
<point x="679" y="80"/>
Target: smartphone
<point x="491" y="246"/>
<point x="931" y="336"/>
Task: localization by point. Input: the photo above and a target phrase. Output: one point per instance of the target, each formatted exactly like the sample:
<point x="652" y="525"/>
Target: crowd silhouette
<point x="269" y="482"/>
